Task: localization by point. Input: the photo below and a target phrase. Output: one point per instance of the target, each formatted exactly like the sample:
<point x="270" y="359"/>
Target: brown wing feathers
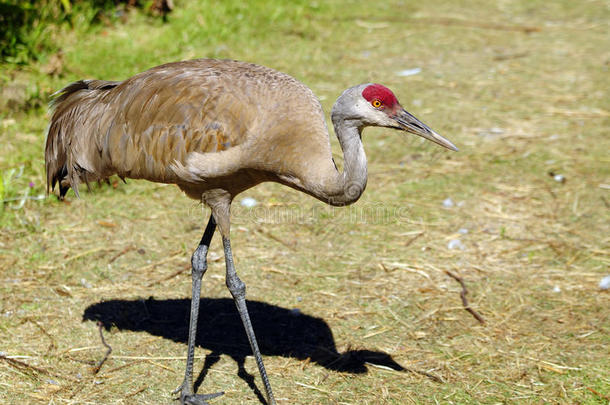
<point x="154" y="122"/>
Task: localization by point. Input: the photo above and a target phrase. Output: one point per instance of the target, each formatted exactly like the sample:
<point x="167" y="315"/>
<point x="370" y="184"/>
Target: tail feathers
<point x="57" y="177"/>
<point x="66" y="157"/>
<point x="62" y="95"/>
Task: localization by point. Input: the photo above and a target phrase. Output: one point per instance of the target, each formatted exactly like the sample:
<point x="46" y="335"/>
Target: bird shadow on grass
<point x="279" y="332"/>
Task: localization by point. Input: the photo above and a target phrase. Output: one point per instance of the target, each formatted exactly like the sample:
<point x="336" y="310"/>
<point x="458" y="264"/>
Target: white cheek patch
<point x="368" y="113"/>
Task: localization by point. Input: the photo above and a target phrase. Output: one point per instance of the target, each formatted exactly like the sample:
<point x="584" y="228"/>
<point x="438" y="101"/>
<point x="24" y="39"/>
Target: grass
<point x="517" y="85"/>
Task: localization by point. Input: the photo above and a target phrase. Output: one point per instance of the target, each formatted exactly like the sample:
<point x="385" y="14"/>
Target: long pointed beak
<point x="409" y="123"/>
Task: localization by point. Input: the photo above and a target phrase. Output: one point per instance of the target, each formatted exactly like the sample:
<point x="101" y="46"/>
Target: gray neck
<point x="350" y="184"/>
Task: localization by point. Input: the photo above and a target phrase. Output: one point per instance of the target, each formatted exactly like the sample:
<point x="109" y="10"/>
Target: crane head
<point x="373" y="104"/>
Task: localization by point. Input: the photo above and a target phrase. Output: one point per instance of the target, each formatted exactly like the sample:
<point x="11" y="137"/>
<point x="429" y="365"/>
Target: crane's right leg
<point x="199" y="264"/>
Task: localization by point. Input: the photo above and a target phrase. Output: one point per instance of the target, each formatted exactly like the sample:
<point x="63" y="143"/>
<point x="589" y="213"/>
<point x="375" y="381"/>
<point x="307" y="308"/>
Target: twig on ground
<point x="85" y="253"/>
<point x="433" y="377"/>
<point x="136" y="392"/>
<point x="158" y="263"/>
<point x="413" y="239"/>
<point x="463" y="293"/>
<point x="52" y="345"/>
<point x="507" y="56"/>
<point x="277" y="239"/>
<point x="599" y="394"/>
<point x="98" y="366"/>
<point x="25" y="366"/>
<point x="174" y="274"/>
<point x="122" y="252"/>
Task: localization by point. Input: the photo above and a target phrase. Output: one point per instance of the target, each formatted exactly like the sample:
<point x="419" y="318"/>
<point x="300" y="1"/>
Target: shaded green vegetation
<point x="30" y="29"/>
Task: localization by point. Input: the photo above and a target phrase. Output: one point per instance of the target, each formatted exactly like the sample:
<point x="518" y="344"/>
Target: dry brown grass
<point x="519" y="103"/>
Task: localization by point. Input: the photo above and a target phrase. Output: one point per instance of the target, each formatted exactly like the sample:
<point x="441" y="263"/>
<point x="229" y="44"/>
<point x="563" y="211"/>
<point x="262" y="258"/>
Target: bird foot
<point x="188" y="398"/>
<point x="198" y="399"/>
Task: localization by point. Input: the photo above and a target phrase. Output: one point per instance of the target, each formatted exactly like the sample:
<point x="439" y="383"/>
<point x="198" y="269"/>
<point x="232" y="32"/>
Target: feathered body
<point x="192" y="123"/>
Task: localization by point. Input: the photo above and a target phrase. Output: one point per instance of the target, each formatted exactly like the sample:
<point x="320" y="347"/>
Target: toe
<point x="199" y="399"/>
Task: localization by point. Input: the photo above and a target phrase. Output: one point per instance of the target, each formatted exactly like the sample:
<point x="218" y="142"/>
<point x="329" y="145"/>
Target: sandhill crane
<point x="216" y="128"/>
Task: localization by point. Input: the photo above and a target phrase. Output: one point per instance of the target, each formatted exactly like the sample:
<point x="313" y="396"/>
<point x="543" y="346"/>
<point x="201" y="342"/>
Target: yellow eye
<point x="376" y="103"/>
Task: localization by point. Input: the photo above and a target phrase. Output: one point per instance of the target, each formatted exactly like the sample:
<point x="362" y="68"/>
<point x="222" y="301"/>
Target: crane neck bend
<point x="350" y="184"/>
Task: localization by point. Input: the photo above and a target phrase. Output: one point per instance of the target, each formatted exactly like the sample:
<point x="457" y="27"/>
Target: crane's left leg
<point x="199" y="264"/>
<point x="238" y="290"/>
